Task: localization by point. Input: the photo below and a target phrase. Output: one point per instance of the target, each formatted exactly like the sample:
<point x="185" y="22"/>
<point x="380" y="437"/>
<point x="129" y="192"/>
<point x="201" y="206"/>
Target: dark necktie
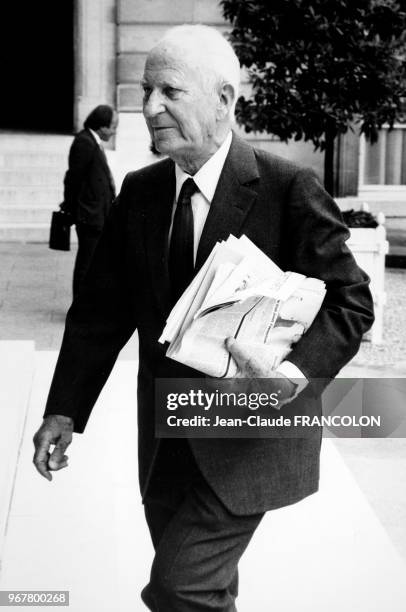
<point x="181" y="264"/>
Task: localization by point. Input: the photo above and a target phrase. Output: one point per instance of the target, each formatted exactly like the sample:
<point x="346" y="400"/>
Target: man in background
<point x="89" y="186"/>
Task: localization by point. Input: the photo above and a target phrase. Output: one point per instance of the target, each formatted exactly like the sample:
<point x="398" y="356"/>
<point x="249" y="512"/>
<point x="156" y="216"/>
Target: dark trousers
<point x="198" y="542"/>
<point x="88" y="238"/>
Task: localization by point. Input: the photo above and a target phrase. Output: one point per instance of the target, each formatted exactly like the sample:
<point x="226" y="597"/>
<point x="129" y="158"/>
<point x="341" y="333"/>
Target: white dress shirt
<point x="96" y="137"/>
<point x="206" y="180"/>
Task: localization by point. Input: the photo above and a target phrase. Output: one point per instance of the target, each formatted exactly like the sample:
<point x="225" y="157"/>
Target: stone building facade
<point x="120" y="33"/>
<point x="75" y="54"/>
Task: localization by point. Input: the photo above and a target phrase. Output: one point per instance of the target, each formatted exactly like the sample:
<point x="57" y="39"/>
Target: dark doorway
<point x="37" y="65"/>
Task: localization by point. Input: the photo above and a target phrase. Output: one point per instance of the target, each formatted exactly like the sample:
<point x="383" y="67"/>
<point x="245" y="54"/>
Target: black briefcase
<point x="59" y="236"/>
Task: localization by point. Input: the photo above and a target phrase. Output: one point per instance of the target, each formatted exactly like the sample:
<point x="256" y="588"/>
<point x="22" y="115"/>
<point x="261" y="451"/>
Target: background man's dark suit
<point x="88" y="196"/>
<point x="286" y="213"/>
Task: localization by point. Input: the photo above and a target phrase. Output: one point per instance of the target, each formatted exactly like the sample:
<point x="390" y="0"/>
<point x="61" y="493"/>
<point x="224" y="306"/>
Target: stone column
<point x="95" y="56"/>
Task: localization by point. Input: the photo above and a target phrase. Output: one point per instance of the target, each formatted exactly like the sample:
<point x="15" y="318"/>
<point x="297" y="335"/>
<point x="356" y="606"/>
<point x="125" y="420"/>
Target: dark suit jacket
<point x="284" y="210"/>
<point x="89" y="190"/>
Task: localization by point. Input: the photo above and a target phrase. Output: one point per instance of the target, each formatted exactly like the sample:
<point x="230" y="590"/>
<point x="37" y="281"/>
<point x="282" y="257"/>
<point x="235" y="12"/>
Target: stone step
<point x="31" y="195"/>
<point x="37" y="177"/>
<point x="32" y="169"/>
<point x="26" y="214"/>
<point x="24" y="232"/>
<point x="32" y="160"/>
<point x="37" y="143"/>
<point x="28" y="232"/>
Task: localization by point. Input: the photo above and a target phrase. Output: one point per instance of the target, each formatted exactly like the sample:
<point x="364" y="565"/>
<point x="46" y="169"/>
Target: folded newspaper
<point x="239" y="292"/>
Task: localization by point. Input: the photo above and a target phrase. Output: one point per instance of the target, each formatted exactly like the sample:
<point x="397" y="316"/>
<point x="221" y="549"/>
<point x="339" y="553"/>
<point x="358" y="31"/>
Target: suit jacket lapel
<point x="232" y="200"/>
<point x="158" y="203"/>
<point x="105" y="165"/>
<point x="103" y="158"/>
<point x="99" y="151"/>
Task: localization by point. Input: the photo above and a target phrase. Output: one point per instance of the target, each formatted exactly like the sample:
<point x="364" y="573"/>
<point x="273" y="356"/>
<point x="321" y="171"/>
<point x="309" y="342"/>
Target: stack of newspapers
<point x="239" y="292"/>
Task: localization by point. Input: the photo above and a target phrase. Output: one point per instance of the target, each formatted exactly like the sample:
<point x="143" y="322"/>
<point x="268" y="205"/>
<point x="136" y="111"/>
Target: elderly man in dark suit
<point x="89" y="186"/>
<point x="204" y="497"/>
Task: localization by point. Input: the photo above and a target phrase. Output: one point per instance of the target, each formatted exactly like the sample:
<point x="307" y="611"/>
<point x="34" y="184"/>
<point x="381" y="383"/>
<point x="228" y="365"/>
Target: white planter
<point x="369" y="247"/>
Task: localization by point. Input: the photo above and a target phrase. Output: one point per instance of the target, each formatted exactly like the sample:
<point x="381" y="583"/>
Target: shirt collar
<point x="208" y="176"/>
<point x="96" y="137"/>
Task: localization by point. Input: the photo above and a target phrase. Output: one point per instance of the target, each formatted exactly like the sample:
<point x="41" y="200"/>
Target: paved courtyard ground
<point x="35" y="293"/>
<point x="354" y="527"/>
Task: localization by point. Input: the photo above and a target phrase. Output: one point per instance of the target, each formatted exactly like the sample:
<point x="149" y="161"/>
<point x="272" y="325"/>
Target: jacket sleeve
<point x="98" y="324"/>
<point x="316" y="247"/>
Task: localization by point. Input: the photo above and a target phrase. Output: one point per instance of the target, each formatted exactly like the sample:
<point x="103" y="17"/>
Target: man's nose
<point x="153" y="105"/>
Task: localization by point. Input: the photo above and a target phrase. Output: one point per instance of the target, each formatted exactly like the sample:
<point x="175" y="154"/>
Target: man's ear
<point x="226" y="100"/>
<point x="100" y="132"/>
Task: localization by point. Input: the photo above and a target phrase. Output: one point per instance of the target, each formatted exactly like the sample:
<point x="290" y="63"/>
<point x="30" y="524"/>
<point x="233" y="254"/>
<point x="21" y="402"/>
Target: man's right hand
<point x="55" y="429"/>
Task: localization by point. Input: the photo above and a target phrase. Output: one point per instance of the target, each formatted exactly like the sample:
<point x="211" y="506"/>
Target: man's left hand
<point x="250" y="365"/>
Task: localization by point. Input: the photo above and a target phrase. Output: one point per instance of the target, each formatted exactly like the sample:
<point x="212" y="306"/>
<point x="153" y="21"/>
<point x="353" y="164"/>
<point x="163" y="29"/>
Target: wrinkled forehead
<point x="173" y="61"/>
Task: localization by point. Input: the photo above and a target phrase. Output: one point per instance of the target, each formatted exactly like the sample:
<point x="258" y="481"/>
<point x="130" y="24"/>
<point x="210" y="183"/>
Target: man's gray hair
<point x="212" y="49"/>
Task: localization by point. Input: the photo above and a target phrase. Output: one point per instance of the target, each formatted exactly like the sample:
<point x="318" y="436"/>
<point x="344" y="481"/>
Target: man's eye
<point x="171" y="92"/>
<point x="147" y="92"/>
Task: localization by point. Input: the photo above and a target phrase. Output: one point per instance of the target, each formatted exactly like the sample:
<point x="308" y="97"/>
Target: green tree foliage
<point x="318" y="66"/>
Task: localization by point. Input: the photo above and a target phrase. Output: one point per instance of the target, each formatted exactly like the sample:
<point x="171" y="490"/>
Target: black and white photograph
<point x="203" y="305"/>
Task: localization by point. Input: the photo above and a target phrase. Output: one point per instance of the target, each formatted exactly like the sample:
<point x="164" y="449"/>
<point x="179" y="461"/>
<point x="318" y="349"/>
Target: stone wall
<point x="140" y="24"/>
<point x="95" y="56"/>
